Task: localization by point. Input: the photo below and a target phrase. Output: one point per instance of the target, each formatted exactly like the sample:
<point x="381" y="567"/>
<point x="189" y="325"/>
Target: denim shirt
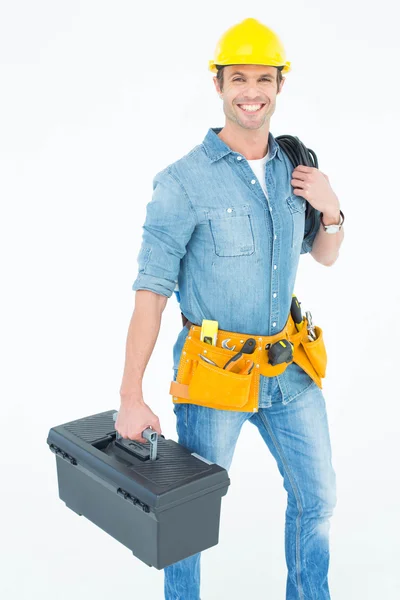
<point x="232" y="251"/>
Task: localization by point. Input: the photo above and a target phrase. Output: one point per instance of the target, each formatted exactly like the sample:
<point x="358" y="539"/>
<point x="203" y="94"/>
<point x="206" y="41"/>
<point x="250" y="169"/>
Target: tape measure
<point x="280" y="352"/>
<point x="209" y="331"/>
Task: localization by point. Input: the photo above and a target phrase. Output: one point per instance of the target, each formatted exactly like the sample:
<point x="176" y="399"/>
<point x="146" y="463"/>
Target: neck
<point x="252" y="143"/>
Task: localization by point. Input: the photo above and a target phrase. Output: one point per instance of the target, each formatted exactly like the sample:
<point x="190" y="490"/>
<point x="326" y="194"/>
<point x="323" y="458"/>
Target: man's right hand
<point x="133" y="418"/>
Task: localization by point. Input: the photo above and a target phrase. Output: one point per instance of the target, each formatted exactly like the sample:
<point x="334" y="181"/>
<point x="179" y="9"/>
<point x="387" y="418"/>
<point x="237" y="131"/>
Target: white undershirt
<point x="258" y="166"/>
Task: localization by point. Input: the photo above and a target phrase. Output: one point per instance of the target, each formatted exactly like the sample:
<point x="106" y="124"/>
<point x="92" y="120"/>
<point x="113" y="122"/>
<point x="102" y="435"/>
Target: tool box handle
<point x="149" y="434"/>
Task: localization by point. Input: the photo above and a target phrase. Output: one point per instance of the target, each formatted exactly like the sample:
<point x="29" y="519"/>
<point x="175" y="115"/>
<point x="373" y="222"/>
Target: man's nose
<point x="253" y="93"/>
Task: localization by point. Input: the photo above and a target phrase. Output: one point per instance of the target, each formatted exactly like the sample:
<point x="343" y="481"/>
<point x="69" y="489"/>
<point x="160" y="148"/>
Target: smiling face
<point x="249" y="94"/>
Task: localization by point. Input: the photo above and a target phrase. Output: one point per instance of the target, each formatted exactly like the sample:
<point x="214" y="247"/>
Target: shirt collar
<point x="216" y="148"/>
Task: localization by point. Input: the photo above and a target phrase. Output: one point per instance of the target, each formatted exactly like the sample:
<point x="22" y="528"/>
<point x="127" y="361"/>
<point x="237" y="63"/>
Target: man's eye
<point x="241" y="78"/>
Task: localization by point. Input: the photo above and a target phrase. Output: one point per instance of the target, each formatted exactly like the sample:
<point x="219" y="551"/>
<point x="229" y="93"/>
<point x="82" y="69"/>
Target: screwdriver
<point x="295" y="311"/>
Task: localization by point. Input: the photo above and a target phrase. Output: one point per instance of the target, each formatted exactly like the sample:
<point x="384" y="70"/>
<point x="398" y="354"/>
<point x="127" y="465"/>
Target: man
<point x="227" y="223"/>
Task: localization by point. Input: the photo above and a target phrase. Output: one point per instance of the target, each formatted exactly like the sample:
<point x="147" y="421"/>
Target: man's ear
<point x="281" y="85"/>
<point x="215" y="80"/>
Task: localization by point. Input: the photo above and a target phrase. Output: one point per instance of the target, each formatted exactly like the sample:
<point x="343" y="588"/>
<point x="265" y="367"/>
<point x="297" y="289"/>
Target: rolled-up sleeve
<point x="169" y="224"/>
<point x="310" y="230"/>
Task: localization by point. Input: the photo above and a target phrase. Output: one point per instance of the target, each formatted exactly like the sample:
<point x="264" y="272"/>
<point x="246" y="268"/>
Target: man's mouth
<point x="251" y="108"/>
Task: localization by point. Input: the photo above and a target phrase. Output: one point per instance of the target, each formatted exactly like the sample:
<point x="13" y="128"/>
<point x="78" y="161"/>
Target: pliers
<point x="248" y="348"/>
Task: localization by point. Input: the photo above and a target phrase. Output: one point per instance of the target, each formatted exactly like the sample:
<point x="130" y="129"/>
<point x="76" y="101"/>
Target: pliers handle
<point x="248" y="348"/>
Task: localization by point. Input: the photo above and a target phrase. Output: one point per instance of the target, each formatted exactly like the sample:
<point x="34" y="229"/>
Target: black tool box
<point x="163" y="505"/>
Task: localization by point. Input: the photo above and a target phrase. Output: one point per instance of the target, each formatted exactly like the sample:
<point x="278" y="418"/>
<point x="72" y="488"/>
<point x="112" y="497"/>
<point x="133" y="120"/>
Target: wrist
<point x="331" y="217"/>
<point x="331" y="214"/>
<point x="132" y="397"/>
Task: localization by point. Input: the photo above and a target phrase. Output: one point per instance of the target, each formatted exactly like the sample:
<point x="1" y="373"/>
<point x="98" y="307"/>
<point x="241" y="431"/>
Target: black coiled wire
<point x="299" y="154"/>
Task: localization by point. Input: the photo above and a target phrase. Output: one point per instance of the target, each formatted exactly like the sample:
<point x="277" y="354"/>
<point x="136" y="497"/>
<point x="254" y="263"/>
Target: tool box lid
<point x="176" y="476"/>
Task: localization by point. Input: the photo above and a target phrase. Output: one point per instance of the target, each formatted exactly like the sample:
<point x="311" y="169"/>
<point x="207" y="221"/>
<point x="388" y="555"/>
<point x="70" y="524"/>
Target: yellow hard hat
<point x="249" y="43"/>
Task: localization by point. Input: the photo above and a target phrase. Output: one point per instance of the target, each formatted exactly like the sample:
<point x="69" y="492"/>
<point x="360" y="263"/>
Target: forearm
<point x="142" y="336"/>
<point x="326" y="246"/>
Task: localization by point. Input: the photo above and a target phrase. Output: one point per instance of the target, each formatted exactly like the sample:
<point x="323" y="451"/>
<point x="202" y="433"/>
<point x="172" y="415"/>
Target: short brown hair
<point x="220" y="76"/>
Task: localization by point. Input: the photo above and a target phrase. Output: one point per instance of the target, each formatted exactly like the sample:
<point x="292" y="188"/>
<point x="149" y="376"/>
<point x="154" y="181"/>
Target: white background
<point x="96" y="98"/>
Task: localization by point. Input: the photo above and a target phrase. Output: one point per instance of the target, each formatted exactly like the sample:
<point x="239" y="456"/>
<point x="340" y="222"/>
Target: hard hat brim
<point x="212" y="66"/>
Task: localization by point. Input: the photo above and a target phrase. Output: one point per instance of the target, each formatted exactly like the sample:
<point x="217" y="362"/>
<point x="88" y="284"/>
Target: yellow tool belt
<point x="199" y="382"/>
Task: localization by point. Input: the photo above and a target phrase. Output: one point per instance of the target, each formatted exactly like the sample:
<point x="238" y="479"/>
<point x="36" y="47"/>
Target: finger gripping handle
<point x="148" y="434"/>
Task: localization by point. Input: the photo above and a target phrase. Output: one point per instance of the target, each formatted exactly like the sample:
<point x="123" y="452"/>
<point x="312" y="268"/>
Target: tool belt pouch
<point x="214" y="385"/>
<point x="202" y="383"/>
<point x="316" y="352"/>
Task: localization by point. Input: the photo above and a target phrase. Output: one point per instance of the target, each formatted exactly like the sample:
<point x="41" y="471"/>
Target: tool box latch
<point x="134" y="500"/>
<point x="59" y="452"/>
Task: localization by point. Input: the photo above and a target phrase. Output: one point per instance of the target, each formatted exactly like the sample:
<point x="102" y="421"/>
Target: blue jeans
<point x="297" y="435"/>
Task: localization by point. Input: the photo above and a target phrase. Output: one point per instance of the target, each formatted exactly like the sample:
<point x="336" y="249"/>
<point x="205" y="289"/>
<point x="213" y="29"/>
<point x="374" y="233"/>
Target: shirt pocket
<point x="297" y="209"/>
<point x="231" y="230"/>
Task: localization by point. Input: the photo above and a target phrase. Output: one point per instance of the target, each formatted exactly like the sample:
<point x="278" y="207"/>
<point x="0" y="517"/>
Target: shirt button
<point x="253" y="181"/>
<point x="273" y="324"/>
<point x="238" y="158"/>
<point x="274" y="295"/>
<point x="275" y="267"/>
<point x="270" y="208"/>
<point x="274" y="237"/>
<point x="229" y="210"/>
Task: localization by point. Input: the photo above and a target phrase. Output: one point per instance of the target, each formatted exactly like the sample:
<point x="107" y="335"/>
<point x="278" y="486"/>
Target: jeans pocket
<point x="181" y="410"/>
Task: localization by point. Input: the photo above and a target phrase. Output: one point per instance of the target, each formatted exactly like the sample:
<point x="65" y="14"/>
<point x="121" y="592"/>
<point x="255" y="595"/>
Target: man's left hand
<point x="314" y="186"/>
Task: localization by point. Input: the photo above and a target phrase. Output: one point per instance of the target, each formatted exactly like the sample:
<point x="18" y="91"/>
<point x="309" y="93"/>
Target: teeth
<point x="250" y="107"/>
